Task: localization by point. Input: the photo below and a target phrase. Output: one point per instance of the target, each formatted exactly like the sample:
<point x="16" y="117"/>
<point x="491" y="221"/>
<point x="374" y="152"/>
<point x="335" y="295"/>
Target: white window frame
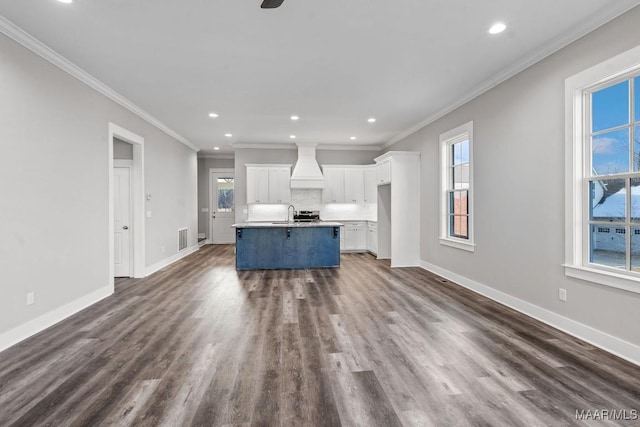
<point x="577" y="154"/>
<point x="446" y="140"/>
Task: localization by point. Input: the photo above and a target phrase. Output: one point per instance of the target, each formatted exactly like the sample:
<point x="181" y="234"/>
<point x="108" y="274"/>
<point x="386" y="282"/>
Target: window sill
<point x="465" y="246"/>
<point x="603" y="277"/>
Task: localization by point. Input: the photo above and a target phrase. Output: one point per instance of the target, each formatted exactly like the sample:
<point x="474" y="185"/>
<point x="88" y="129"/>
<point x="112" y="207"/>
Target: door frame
<point x="137" y="201"/>
<point x="213" y="203"/>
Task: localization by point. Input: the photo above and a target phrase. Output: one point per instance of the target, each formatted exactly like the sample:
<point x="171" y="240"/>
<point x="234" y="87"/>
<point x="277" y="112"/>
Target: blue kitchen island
<point x="287" y="245"/>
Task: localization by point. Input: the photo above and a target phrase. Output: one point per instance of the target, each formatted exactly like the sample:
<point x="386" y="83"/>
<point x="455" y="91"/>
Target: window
<point x="603" y="173"/>
<point x="613" y="175"/>
<point x="225" y="194"/>
<point x="456" y="182"/>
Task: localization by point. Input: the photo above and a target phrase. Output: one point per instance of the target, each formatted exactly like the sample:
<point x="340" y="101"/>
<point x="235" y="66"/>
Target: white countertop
<point x="284" y="224"/>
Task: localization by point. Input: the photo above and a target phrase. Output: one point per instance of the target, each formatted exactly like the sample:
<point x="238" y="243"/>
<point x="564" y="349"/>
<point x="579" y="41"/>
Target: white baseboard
<point x="202" y="235"/>
<point x="404" y="265"/>
<point x="609" y="343"/>
<point x="40" y="323"/>
<point x="170" y="260"/>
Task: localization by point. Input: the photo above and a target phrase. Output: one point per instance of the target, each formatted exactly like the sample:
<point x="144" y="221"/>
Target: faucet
<point x="289" y="211"/>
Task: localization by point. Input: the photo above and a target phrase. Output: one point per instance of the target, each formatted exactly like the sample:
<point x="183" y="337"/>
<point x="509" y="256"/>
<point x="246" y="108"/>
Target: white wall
<point x="519" y="188"/>
<point x="54" y="189"/>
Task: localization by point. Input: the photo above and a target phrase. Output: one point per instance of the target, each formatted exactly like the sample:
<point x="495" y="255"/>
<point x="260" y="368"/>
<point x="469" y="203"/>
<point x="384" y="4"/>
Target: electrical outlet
<point x="162" y="249"/>
<point x="562" y="294"/>
<point x="31" y="298"/>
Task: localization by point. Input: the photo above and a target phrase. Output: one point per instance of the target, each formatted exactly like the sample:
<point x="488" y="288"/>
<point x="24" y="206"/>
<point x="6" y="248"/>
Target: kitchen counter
<point x="285" y="224"/>
<point x="283" y="245"/>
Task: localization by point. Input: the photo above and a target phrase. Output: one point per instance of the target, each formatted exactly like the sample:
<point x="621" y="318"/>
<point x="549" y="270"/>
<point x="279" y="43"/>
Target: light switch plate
<point x="205" y="210"/>
<point x="148" y="214"/>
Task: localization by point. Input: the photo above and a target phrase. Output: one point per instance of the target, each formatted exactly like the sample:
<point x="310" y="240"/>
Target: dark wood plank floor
<point x="364" y="345"/>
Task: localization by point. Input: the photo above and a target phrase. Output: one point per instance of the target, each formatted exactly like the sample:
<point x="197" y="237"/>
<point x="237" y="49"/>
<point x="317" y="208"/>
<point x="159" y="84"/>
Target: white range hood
<point x="307" y="174"/>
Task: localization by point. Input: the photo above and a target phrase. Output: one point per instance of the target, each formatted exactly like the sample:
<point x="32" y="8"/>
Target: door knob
<point x="126" y="227"/>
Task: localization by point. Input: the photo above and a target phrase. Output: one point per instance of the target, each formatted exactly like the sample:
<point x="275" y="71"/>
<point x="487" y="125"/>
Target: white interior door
<point x="222" y="207"/>
<point x="122" y="221"/>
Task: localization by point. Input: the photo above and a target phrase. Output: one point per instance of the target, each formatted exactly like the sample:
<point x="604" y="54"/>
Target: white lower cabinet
<point x="355" y="236"/>
<point x="372" y="237"/>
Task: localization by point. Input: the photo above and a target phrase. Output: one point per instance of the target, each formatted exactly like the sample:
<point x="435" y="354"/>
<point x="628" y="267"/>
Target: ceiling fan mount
<point x="271" y="4"/>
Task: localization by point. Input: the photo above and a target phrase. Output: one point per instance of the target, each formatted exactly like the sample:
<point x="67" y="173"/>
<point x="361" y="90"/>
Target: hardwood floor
<point x="364" y="345"/>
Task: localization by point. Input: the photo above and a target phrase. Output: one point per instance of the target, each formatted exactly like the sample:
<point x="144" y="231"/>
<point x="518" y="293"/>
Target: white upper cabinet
<point x="370" y="185"/>
<point x="383" y="172"/>
<point x="333" y="185"/>
<point x="257" y="185"/>
<point x="354" y="185"/>
<point x="268" y="184"/>
<point x="279" y="190"/>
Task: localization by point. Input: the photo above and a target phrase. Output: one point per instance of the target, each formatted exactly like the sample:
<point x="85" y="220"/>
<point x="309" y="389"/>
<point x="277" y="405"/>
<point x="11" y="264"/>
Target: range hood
<point x="306" y="173"/>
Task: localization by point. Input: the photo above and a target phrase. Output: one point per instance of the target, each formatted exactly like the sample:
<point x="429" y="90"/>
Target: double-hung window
<point x="603" y="173"/>
<point x="456" y="182"/>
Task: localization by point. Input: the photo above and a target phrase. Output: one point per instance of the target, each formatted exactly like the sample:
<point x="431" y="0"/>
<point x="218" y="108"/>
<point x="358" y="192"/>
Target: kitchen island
<point x="287" y="245"/>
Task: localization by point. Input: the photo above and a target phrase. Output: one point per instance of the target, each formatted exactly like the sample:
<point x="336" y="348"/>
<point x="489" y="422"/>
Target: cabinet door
<point x="342" y="243"/>
<point x="257" y="185"/>
<point x="360" y="231"/>
<point x="333" y="186"/>
<point x="372" y="238"/>
<point x="383" y="172"/>
<point x="354" y="185"/>
<point x="279" y="189"/>
<point x="370" y="186"/>
<point x="374" y="241"/>
<point x="350" y="238"/>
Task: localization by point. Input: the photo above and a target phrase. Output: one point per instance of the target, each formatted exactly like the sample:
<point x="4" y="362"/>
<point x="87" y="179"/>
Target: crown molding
<point x="264" y="146"/>
<point x="217" y="156"/>
<point x="611" y="13"/>
<point x="335" y="147"/>
<point x="17" y="34"/>
<point x="294" y="146"/>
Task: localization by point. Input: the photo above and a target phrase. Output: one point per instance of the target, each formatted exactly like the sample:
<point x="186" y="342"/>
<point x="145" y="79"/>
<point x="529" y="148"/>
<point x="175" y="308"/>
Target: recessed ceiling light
<point x="216" y="148"/>
<point x="65" y="1"/>
<point x="292" y="136"/>
<point x="352" y="138"/>
<point x="372" y="120"/>
<point x="497" y="28"/>
<point x="228" y="135"/>
<point x="295" y="118"/>
<point x="213" y="115"/>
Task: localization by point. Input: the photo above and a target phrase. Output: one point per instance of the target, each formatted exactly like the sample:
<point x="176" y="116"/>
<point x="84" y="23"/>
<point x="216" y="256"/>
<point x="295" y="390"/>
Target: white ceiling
<point x="334" y="63"/>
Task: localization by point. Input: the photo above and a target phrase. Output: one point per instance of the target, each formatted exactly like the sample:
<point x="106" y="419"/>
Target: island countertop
<point x="285" y="224"/>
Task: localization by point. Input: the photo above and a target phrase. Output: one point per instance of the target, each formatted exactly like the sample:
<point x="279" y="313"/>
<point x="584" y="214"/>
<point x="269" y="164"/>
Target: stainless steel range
<point x="307" y="216"/>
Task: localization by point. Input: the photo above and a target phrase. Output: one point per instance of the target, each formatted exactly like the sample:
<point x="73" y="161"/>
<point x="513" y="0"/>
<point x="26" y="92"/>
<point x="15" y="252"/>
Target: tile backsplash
<point x="312" y="200"/>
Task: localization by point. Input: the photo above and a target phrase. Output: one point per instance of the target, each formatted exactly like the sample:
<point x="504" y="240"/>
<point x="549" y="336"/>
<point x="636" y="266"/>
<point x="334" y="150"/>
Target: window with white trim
<point x="603" y="173"/>
<point x="456" y="182"/>
<point x="612" y="136"/>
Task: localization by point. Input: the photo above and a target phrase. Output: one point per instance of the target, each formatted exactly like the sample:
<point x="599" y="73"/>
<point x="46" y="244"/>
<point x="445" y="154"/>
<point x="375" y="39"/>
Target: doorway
<point x="123" y="175"/>
<point x="222" y="205"/>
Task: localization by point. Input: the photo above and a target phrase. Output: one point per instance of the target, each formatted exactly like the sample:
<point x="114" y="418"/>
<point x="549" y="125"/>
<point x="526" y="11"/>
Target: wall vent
<point x="182" y="239"/>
